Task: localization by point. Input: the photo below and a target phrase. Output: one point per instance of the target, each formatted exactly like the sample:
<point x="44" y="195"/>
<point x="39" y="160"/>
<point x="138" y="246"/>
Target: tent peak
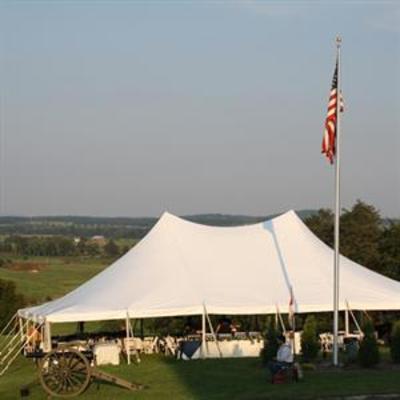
<point x="169" y="217"/>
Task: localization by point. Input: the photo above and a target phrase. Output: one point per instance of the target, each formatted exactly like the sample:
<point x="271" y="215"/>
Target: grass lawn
<point x="242" y="379"/>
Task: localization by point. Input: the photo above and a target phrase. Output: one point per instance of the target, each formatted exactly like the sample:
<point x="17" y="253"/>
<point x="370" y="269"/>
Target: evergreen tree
<point x="271" y="345"/>
<point x="395" y="342"/>
<point x="309" y="340"/>
<point x="368" y="354"/>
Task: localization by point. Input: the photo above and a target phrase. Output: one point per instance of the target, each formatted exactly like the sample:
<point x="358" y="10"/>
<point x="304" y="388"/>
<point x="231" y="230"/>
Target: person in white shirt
<point x="285" y="353"/>
<point x="284" y="356"/>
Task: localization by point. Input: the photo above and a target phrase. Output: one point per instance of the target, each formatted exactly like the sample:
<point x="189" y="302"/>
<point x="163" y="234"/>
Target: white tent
<point x="181" y="268"/>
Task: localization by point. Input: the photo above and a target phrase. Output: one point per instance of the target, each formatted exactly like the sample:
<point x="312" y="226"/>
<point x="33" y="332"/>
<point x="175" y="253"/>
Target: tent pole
<point x="21" y="328"/>
<point x="281" y="320"/>
<point x="337" y="213"/>
<point x="346" y="322"/>
<point x="203" y="334"/>
<point x="47" y="336"/>
<point x="128" y="353"/>
<point x="354" y="319"/>
<point x="213" y="332"/>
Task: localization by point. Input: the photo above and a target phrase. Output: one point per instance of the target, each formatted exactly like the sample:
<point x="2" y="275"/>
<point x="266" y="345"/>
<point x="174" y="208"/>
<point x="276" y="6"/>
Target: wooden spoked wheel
<point x="64" y="373"/>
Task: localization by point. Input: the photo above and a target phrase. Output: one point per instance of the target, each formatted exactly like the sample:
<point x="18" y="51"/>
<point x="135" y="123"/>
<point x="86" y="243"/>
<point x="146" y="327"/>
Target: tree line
<point x="365" y="237"/>
<point x="58" y="246"/>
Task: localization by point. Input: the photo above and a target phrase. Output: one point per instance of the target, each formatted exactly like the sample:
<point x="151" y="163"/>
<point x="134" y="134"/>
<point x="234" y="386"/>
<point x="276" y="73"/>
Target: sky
<point x="133" y="108"/>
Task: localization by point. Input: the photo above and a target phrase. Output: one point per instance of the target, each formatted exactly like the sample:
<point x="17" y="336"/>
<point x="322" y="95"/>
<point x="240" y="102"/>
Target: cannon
<point x="66" y="373"/>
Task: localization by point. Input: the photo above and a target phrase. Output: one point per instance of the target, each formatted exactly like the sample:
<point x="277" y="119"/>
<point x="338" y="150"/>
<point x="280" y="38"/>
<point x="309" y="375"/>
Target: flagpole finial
<point x="338" y="40"/>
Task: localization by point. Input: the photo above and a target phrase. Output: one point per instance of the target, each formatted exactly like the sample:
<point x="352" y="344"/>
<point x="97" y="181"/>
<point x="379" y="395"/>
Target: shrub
<point x="351" y="351"/>
<point x="309" y="340"/>
<point x="368" y="354"/>
<point x="271" y="345"/>
<point x="10" y="301"/>
<point x="395" y="342"/>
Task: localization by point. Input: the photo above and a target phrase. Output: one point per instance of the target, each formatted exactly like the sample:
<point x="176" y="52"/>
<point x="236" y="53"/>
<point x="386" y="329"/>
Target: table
<point x="228" y="349"/>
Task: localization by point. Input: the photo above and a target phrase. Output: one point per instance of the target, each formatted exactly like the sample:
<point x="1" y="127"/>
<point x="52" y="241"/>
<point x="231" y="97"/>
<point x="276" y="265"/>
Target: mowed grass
<point x="240" y="379"/>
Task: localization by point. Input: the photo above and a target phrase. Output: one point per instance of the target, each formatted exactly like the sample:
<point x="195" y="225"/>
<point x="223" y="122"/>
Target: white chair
<point x="133" y="346"/>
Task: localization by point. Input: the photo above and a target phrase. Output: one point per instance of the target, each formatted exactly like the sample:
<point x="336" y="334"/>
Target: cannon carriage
<point x="66" y="372"/>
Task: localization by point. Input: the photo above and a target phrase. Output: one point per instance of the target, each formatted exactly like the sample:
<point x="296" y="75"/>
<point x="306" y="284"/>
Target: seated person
<point x="192" y="326"/>
<point x="225" y="325"/>
<point x="34" y="338"/>
<point x="284" y="356"/>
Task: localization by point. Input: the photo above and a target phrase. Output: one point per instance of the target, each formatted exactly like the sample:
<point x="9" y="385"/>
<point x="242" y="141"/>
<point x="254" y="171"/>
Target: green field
<point x="242" y="379"/>
<point x="54" y="276"/>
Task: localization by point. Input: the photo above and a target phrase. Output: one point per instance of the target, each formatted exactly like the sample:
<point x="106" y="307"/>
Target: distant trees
<point x="56" y="246"/>
<point x="111" y="249"/>
<point x="39" y="246"/>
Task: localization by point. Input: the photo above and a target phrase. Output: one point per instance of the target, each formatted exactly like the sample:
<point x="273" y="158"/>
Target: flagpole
<point x="337" y="212"/>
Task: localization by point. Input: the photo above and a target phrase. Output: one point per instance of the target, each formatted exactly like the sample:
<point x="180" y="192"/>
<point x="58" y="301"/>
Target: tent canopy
<point x="181" y="267"/>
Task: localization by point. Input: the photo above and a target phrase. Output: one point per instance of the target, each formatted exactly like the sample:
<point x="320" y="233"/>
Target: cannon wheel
<point x="64" y="373"/>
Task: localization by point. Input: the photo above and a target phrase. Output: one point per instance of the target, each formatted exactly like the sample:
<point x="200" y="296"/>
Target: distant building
<point x="99" y="240"/>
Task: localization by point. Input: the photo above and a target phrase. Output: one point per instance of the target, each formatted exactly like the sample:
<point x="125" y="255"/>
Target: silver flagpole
<point x="337" y="211"/>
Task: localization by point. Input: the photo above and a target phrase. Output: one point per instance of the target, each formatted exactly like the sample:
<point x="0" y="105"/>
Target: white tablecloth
<point x="231" y="349"/>
<point x="107" y="353"/>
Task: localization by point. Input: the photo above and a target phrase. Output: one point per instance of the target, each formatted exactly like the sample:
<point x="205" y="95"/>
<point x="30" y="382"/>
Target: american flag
<point x="329" y="139"/>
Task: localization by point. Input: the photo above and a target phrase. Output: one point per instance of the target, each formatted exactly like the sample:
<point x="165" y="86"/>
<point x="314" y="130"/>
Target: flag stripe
<point x="329" y="138"/>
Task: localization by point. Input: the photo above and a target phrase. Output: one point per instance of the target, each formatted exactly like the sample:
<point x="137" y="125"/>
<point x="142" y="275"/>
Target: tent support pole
<point x="21" y="328"/>
<point x="47" y="336"/>
<point x="128" y="353"/>
<point x="212" y="331"/>
<point x="346" y="322"/>
<point x="354" y="318"/>
<point x="281" y="320"/>
<point x="203" y="334"/>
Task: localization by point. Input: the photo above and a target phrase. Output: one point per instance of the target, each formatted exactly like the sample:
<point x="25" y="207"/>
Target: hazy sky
<point x="132" y="108"/>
